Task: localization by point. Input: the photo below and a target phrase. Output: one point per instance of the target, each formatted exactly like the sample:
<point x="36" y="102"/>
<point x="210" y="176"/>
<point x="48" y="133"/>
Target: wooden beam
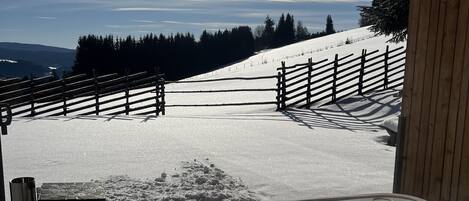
<point x="454" y="106"/>
<point x="408" y="82"/>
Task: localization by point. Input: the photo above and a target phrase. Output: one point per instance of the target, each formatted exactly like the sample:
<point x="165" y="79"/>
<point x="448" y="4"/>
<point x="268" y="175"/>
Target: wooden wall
<point x="435" y="159"/>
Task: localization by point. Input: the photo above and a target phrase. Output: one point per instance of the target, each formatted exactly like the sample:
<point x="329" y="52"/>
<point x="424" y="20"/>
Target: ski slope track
<point x="333" y="150"/>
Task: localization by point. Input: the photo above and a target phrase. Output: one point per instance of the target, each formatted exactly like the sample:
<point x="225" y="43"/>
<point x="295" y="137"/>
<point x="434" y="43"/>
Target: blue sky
<point x="61" y="22"/>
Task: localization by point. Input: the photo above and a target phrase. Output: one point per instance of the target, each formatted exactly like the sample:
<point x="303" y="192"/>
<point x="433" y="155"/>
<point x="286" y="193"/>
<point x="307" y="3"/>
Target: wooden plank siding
<point x="435" y="159"/>
<point x="408" y="88"/>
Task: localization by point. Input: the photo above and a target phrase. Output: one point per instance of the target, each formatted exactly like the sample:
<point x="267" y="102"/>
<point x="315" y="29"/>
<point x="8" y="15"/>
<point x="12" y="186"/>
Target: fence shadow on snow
<point x="358" y="113"/>
<point x="269" y="116"/>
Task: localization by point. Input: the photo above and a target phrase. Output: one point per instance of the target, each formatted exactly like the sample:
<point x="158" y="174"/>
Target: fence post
<point x="308" y="88"/>
<point x="127" y="107"/>
<point x="334" y="77"/>
<point x="386" y="67"/>
<point x="163" y="102"/>
<point x="96" y="92"/>
<point x="399" y="157"/>
<point x="64" y="96"/>
<point x="157" y="91"/>
<point x="279" y="83"/>
<point x="362" y="72"/>
<point x="284" y="86"/>
<point x="31" y="87"/>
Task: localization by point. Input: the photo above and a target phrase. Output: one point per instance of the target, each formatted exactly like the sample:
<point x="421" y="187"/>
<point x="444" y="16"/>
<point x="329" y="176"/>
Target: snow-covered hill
<point x="333" y="150"/>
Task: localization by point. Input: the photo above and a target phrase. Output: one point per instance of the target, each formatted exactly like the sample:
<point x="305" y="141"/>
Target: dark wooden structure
<point x="433" y="155"/>
<point x="84" y="95"/>
<point x="244" y="79"/>
<point x="300" y="85"/>
<point x="326" y="82"/>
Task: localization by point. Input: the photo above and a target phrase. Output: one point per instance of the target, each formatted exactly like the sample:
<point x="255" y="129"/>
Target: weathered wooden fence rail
<point x="84" y="95"/>
<point x="327" y="82"/>
<point x="223" y="91"/>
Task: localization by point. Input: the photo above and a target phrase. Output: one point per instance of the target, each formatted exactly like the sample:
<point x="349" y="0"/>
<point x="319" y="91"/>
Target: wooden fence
<point x="85" y="95"/>
<point x="224" y="91"/>
<point x="300" y="85"/>
<point x="325" y="82"/>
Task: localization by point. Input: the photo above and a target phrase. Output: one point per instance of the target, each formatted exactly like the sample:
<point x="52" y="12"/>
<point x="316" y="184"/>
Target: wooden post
<point x="308" y="88"/>
<point x="2" y="185"/>
<point x="127" y="107"/>
<point x="279" y="86"/>
<point x="386" y="67"/>
<point x="284" y="86"/>
<point x="31" y="87"/>
<point x="399" y="154"/>
<point x="362" y="72"/>
<point x="64" y="96"/>
<point x="4" y="122"/>
<point x="2" y="182"/>
<point x="163" y="102"/>
<point x="96" y="92"/>
<point x="157" y="92"/>
<point x="334" y="77"/>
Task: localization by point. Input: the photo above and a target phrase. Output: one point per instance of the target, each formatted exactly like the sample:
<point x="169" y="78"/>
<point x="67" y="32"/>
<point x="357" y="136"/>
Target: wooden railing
<point x="301" y="85"/>
<point x="326" y="82"/>
<point x="222" y="91"/>
<point x="85" y="95"/>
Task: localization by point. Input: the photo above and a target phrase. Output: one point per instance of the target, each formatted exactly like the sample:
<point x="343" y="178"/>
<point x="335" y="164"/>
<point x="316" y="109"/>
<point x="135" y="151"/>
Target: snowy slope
<point x="265" y="64"/>
<point x="334" y="150"/>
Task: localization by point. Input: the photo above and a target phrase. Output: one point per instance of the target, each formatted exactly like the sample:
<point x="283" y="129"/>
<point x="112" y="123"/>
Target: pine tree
<point x="265" y="40"/>
<point x="269" y="29"/>
<point x="279" y="35"/>
<point x="285" y="31"/>
<point x="329" y="25"/>
<point x="302" y="32"/>
<point x="388" y="17"/>
<point x="289" y="29"/>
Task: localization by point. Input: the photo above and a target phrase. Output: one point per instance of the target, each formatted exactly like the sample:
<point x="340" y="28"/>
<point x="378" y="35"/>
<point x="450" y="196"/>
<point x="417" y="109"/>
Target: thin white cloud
<point x="152" y="9"/>
<point x="142" y="32"/>
<point x="134" y="26"/>
<point x="183" y="23"/>
<point x="208" y="24"/>
<point x="143" y="21"/>
<point x="45" y="18"/>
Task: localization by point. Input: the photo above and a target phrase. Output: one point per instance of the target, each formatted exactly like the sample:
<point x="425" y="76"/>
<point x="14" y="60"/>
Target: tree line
<point x="180" y="55"/>
<point x="177" y="56"/>
<point x="286" y="32"/>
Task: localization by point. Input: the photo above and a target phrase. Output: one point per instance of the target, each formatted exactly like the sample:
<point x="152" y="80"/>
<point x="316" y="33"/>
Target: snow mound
<point x="197" y="181"/>
<point x="391" y="124"/>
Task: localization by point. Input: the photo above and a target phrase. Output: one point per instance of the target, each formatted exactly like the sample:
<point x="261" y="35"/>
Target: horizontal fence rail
<point x="327" y="81"/>
<point x="212" y="91"/>
<point x="85" y="95"/>
<point x="223" y="104"/>
<point x="222" y="79"/>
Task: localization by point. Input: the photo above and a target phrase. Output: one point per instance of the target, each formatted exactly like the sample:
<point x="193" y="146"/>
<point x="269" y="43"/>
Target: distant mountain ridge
<point x="34" y="47"/>
<point x="34" y="56"/>
<point x="21" y="68"/>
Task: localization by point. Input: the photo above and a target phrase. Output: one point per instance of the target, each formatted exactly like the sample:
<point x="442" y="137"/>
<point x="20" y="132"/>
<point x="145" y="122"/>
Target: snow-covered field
<point x="329" y="151"/>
